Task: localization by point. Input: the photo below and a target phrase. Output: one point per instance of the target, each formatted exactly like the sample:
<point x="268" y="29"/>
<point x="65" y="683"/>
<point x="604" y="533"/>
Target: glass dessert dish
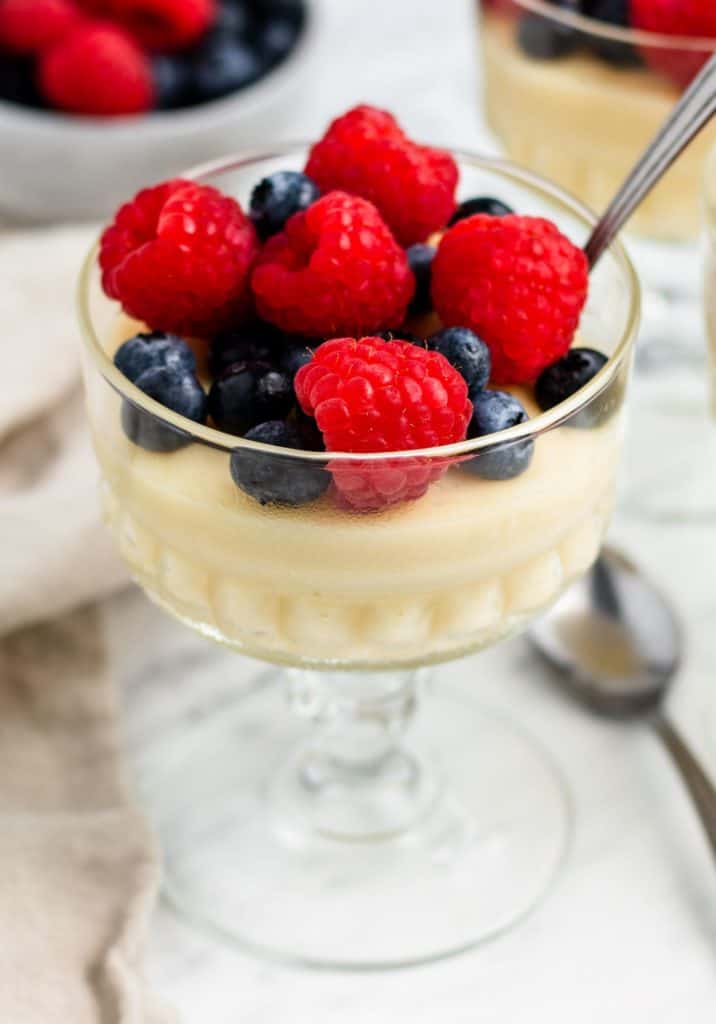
<point x="360" y="816"/>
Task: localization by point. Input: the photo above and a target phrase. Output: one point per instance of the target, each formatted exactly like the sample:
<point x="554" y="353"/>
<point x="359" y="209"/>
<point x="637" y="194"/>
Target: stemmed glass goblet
<point x="351" y="810"/>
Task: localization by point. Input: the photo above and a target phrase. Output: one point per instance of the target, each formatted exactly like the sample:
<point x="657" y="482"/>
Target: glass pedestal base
<point x="449" y="839"/>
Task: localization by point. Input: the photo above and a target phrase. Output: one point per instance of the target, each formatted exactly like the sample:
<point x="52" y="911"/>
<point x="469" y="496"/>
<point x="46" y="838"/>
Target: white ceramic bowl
<point x="59" y="168"/>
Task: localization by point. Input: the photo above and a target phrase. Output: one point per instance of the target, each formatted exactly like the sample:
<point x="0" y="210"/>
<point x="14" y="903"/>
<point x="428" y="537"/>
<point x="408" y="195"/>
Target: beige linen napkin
<point x="78" y="868"/>
<point x="54" y="552"/>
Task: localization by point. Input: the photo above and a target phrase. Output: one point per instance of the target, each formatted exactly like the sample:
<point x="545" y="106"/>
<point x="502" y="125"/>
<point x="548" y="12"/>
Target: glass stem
<point x="356" y="775"/>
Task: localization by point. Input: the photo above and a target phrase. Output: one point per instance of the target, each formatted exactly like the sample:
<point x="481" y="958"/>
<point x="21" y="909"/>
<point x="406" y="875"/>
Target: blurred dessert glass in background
<point x="577" y="91"/>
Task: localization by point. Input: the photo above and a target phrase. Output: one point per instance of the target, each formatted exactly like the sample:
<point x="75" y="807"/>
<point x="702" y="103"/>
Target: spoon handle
<point x="693" y="111"/>
<point x="699" y="785"/>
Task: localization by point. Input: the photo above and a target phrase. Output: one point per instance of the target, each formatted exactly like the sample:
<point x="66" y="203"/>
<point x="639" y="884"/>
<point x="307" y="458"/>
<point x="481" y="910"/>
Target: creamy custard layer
<point x="451" y="572"/>
<point x="583" y="123"/>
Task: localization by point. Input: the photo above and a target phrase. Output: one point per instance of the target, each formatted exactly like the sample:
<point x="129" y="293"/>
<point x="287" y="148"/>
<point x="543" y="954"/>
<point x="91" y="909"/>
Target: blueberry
<point x="174" y="388"/>
<point x="234" y="18"/>
<point x="256" y="342"/>
<point x="614" y="12"/>
<point x="295" y="355"/>
<point x="480" y="204"/>
<point x="248" y="394"/>
<point x="151" y="433"/>
<point x="544" y="39"/>
<point x="277" y="37"/>
<point x="467" y="353"/>
<point x="275" y="478"/>
<point x="565" y="377"/>
<point x="172" y="79"/>
<point x="17" y="81"/>
<point x="148" y="351"/>
<point x="613" y="51"/>
<point x="420" y="260"/>
<point x="222" y="65"/>
<point x="494" y="411"/>
<point x="294" y="10"/>
<point x="311" y="436"/>
<point x="278" y="197"/>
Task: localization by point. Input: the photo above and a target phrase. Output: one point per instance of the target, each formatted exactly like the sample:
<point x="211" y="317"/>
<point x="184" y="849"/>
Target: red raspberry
<point x="378" y="396"/>
<point x="335" y="269"/>
<point x="164" y="25"/>
<point x="696" y="18"/>
<point x="366" y="152"/>
<point x="518" y="283"/>
<point x="96" y="69"/>
<point x="31" y="26"/>
<point x="178" y="256"/>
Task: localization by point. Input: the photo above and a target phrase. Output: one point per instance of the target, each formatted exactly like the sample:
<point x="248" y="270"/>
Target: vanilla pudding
<point x="583" y="123"/>
<point x="426" y="580"/>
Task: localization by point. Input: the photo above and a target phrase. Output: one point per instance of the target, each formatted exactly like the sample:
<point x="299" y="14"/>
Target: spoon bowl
<point x="614" y="638"/>
<point x="616" y="644"/>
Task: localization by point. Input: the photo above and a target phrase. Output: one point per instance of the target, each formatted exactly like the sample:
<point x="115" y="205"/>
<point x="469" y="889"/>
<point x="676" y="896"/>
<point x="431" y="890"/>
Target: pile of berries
<point x="547" y="39"/>
<point x="108" y="58"/>
<point x="317" y="330"/>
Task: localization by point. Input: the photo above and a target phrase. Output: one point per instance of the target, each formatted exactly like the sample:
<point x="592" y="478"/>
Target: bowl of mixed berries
<point x="117" y="93"/>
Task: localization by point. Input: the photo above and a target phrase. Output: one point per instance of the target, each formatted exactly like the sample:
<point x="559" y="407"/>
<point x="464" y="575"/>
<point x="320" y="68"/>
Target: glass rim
<point x="532" y="428"/>
<point x="616" y="33"/>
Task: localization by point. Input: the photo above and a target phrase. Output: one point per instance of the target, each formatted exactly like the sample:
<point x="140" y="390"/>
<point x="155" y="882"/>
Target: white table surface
<point x="629" y="933"/>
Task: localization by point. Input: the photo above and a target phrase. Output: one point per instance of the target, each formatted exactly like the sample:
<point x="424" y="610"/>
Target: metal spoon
<point x="693" y="111"/>
<point x="617" y="644"/>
